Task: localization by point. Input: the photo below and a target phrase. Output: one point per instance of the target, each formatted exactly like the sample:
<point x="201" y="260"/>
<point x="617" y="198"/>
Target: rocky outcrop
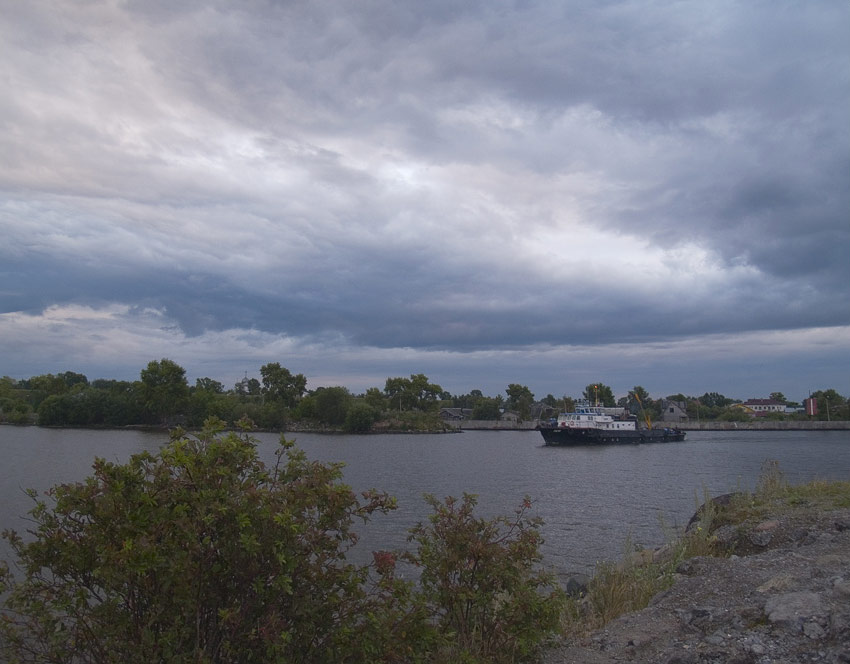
<point x="783" y="596"/>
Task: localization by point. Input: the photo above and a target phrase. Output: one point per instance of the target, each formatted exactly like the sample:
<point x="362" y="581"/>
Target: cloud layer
<point x="371" y="188"/>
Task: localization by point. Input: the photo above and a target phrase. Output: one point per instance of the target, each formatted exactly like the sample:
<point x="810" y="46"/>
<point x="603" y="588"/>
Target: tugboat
<point x="595" y="425"/>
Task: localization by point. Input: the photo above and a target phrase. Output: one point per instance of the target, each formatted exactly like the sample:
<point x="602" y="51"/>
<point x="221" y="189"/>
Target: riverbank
<point x="763" y="425"/>
<point x="778" y="592"/>
<point x="710" y="425"/>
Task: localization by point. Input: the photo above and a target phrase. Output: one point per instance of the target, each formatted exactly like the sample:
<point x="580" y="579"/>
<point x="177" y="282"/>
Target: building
<point x="455" y="414"/>
<point x="759" y="406"/>
<point x="673" y="411"/>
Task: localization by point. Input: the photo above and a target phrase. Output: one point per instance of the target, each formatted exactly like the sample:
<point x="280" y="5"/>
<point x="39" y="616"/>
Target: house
<point x="673" y="411"/>
<point x="509" y="416"/>
<point x="455" y="414"/>
<point x="762" y="406"/>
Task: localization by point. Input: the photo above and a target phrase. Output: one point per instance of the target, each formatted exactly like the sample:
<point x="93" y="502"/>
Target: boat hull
<point x="578" y="436"/>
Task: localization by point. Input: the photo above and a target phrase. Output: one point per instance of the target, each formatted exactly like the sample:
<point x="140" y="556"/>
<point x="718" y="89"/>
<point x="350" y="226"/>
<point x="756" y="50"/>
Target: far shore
<point x="708" y="425"/>
<point x="493" y="425"/>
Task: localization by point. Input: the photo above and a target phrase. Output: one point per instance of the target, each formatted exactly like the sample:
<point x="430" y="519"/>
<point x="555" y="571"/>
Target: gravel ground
<point x="783" y="598"/>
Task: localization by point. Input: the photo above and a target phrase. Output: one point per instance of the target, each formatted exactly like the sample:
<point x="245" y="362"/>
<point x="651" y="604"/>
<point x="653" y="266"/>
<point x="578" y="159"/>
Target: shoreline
<point x="769" y="425"/>
<point x="776" y="591"/>
<point x="459" y="427"/>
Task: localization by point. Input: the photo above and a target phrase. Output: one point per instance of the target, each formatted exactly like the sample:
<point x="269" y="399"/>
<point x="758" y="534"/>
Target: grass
<point x="616" y="589"/>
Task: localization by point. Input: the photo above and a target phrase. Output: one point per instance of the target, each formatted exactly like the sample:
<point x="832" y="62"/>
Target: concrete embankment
<point x="762" y="425"/>
<point x="492" y="425"/>
<point x="711" y="425"/>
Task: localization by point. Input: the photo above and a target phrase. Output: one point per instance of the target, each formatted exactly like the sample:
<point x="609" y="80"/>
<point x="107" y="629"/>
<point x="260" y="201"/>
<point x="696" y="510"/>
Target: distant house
<point x="509" y="416"/>
<point x="673" y="411"/>
<point x="764" y="406"/>
<point x="455" y="414"/>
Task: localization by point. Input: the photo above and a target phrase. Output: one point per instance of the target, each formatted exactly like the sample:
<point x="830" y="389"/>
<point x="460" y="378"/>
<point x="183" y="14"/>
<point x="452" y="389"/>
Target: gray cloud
<point x="427" y="176"/>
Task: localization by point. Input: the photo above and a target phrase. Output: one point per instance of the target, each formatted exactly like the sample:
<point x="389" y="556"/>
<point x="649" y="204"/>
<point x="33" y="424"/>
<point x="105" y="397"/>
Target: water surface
<point x="591" y="498"/>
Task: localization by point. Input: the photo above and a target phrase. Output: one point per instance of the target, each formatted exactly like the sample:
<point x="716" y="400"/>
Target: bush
<point x="360" y="418"/>
<point x="481" y="583"/>
<point x="201" y="553"/>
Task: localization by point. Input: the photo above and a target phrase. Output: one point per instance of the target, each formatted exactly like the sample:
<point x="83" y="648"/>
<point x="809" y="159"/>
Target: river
<point x="592" y="499"/>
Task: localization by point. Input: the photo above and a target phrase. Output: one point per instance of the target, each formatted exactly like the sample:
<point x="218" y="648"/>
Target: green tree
<point x="412" y="393"/>
<point x="487" y="408"/>
<point x="734" y="415"/>
<point x="520" y="399"/>
<point x="360" y="418"/>
<point x="599" y="393"/>
<point x="714" y="400"/>
<point x="209" y="385"/>
<point x="164" y="390"/>
<point x="426" y="393"/>
<point x="778" y="396"/>
<point x="639" y="393"/>
<point x="332" y="404"/>
<point x="640" y="403"/>
<point x="281" y="386"/>
<point x="399" y="394"/>
<point x="207" y="399"/>
<point x="71" y="378"/>
<point x="203" y="554"/>
<point x="831" y="405"/>
<point x="48" y="384"/>
<point x="375" y="398"/>
<point x="551" y="401"/>
<point x="14" y="408"/>
<point x="248" y="387"/>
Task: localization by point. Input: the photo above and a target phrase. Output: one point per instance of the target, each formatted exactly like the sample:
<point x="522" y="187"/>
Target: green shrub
<point x="481" y="582"/>
<point x="360" y="418"/>
<point x="201" y="553"/>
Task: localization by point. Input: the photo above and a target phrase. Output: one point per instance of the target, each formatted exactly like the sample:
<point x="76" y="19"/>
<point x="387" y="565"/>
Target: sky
<point x="538" y="192"/>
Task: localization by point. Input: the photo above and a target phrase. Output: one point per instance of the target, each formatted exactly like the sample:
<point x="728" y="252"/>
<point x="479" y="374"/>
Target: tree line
<point x="279" y="398"/>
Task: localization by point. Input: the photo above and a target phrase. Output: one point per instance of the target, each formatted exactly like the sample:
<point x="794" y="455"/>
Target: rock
<point x="794" y="609"/>
<point x="829" y="561"/>
<point x="788" y="602"/>
<point x="764" y="526"/>
<point x="813" y="630"/>
<point x="727" y="537"/>
<point x="759" y="538"/>
<point x="718" y="502"/>
<point x="663" y="553"/>
<point x="842" y="587"/>
<point x="576" y="585"/>
<point x="780" y="582"/>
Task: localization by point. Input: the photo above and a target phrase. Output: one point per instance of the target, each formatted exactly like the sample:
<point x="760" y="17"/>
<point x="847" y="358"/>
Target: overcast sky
<point x="549" y="193"/>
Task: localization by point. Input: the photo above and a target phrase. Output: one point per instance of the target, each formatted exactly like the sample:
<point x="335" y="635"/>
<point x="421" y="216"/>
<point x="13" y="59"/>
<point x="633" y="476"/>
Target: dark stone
<point x="719" y="501"/>
<point x="576" y="585"/>
<point x="760" y="538"/>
